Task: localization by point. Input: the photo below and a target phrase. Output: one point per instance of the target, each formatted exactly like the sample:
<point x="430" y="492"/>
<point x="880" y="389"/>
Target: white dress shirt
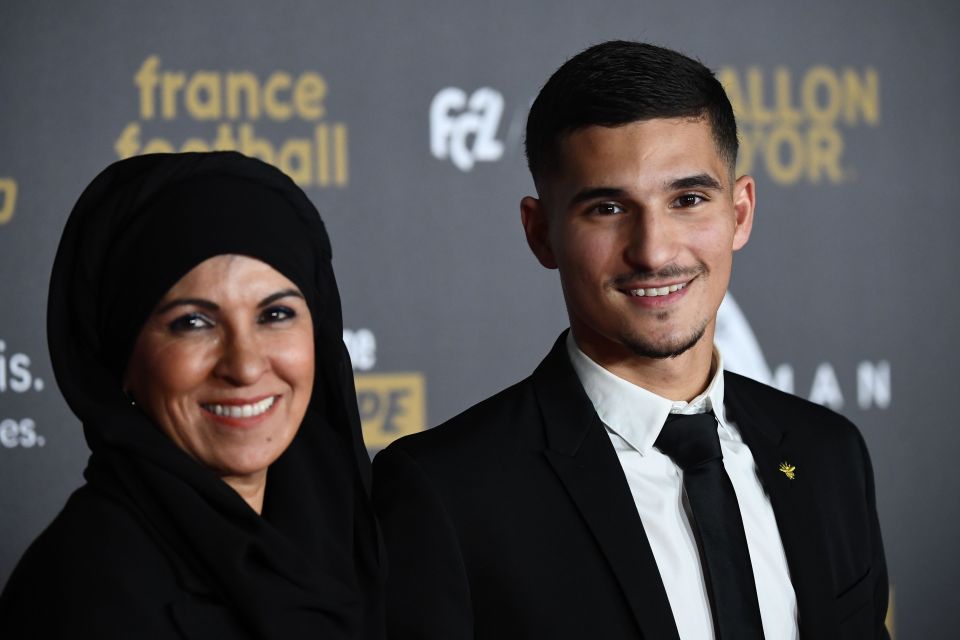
<point x="633" y="417"/>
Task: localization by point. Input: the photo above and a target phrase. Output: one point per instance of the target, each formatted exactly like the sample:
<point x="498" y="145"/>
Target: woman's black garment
<point x="155" y="545"/>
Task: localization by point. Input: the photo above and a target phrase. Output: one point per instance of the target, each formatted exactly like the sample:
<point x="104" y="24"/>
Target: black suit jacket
<point x="515" y="520"/>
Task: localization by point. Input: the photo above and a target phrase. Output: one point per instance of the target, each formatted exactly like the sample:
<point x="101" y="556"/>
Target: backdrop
<point x="403" y="122"/>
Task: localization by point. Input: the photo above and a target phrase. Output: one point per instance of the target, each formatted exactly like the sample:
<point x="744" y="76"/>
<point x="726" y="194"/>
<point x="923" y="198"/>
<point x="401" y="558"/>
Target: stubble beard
<point x="642" y="346"/>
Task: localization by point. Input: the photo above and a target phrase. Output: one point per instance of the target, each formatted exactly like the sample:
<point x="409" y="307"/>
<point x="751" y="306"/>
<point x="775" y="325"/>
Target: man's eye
<point x="276" y="314"/>
<point x="688" y="200"/>
<point x="190" y="322"/>
<point x="608" y="208"/>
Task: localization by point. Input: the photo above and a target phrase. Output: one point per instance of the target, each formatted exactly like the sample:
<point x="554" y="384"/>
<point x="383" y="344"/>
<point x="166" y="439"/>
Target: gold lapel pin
<point x="788" y="470"/>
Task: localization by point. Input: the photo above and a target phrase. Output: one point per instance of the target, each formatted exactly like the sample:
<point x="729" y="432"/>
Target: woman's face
<point x="225" y="365"/>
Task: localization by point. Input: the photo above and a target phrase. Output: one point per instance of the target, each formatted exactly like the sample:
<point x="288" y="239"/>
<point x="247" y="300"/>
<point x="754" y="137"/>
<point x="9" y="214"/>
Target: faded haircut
<point x="619" y="82"/>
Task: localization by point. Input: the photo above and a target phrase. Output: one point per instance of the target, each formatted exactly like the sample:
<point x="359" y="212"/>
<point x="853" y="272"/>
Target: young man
<point x="630" y="488"/>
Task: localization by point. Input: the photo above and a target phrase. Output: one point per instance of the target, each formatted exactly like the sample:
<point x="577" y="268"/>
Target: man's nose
<point x="652" y="242"/>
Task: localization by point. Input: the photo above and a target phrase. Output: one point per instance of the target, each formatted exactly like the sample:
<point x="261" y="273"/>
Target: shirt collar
<point x="634" y="413"/>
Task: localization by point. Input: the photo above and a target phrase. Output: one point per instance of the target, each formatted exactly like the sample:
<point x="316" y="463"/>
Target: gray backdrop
<point x="404" y="124"/>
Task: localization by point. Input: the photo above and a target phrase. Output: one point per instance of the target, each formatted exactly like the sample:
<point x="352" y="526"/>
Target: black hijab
<point x="310" y="566"/>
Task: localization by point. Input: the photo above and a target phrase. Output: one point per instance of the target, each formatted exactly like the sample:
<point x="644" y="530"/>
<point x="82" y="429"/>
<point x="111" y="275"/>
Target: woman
<point x="195" y="328"/>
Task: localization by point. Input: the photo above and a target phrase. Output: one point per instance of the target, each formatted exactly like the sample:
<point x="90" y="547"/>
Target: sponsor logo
<point x="463" y="128"/>
<point x="8" y="199"/>
<point x="391" y="405"/>
<point x="228" y="105"/>
<point x="15" y="377"/>
<point x="20" y="433"/>
<point x="871" y="380"/>
<point x="792" y="124"/>
<point x="362" y="346"/>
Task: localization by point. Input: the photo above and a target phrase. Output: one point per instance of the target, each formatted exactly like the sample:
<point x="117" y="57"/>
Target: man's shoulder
<point x="769" y="396"/>
<point x="794" y="414"/>
<point x="481" y="427"/>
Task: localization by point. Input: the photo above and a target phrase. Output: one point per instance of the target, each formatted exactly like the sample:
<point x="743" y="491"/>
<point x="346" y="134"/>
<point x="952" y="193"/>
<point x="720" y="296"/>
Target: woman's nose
<point x="242" y="361"/>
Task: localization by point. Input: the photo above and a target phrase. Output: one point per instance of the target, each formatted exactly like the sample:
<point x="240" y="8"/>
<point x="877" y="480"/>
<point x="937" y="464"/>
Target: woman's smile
<point x="241" y="413"/>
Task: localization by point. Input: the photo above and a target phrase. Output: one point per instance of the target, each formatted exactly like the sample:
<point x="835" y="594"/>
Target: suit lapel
<point x="794" y="505"/>
<point x="581" y="454"/>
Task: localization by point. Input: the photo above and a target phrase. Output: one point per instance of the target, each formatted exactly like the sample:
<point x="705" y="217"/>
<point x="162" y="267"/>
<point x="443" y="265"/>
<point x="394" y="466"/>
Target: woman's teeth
<point x="241" y="410"/>
<point x="657" y="291"/>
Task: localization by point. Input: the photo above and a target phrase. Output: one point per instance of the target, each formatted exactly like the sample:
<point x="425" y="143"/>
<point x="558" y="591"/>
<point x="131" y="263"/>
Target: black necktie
<point x="692" y="442"/>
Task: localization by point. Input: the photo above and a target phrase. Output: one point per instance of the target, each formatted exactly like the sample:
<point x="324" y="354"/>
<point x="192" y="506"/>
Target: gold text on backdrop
<point x="234" y="100"/>
<point x="792" y="123"/>
<point x="8" y="199"/>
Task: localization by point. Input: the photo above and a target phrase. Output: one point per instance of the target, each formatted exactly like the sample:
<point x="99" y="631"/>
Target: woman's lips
<point x="240" y="412"/>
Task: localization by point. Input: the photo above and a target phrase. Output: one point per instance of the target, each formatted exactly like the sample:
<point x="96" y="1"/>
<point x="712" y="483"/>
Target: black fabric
<point x="311" y="565"/>
<point x="692" y="443"/>
<point x="514" y="519"/>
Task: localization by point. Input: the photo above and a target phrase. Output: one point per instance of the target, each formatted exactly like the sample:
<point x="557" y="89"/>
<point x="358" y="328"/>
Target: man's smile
<point x="652" y="292"/>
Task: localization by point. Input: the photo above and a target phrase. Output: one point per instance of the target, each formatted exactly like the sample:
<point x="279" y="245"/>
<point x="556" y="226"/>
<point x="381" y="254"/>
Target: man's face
<point x="642" y="221"/>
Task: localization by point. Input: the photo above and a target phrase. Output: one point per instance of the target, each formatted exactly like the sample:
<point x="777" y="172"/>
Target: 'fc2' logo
<point x="464" y="129"/>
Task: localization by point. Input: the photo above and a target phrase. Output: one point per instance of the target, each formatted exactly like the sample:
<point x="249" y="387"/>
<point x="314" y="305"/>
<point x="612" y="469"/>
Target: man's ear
<point x="536" y="225"/>
<point x="744" y="204"/>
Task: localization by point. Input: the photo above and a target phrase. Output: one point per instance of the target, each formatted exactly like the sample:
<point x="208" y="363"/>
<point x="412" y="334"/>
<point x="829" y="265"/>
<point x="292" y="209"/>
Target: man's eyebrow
<point x="188" y="302"/>
<point x="699" y="181"/>
<point x="278" y="295"/>
<point x="593" y="193"/>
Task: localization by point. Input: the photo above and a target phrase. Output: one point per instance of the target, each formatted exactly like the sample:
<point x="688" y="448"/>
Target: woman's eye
<point x="190" y="322"/>
<point x="608" y="208"/>
<point x="276" y="314"/>
<point x="689" y="200"/>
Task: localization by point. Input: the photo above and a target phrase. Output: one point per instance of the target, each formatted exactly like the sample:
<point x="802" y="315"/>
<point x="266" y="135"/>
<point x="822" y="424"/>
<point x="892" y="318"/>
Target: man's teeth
<point x="241" y="410"/>
<point x="657" y="291"/>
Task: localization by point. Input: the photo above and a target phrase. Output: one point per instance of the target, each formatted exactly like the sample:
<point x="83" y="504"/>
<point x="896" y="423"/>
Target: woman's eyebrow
<point x="212" y="306"/>
<point x="278" y="295"/>
<point x="188" y="302"/>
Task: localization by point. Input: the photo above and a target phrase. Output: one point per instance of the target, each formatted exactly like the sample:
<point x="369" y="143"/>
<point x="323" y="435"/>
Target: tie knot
<point x="690" y="440"/>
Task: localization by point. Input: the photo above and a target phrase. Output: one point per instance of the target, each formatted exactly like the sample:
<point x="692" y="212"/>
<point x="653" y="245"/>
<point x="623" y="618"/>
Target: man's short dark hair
<point x="620" y="82"/>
